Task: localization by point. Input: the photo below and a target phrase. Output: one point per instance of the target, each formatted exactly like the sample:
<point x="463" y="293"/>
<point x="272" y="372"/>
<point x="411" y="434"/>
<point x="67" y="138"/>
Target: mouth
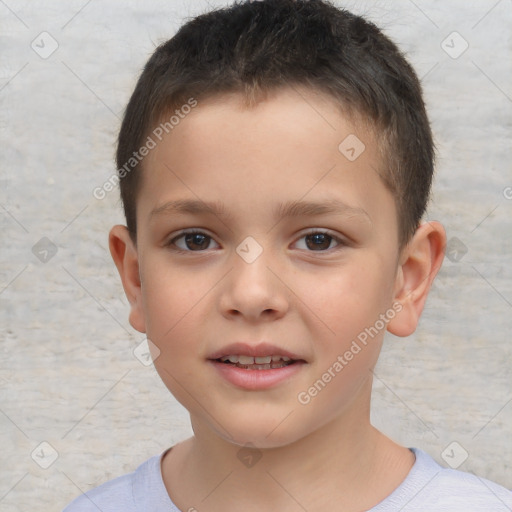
<point x="262" y="356"/>
<point x="258" y="363"/>
<point x="256" y="367"/>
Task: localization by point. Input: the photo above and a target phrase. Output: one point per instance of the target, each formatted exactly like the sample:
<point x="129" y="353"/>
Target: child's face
<point x="306" y="295"/>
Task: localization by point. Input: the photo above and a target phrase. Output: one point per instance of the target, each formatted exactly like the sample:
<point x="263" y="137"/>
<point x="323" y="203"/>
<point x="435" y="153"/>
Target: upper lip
<point x="259" y="350"/>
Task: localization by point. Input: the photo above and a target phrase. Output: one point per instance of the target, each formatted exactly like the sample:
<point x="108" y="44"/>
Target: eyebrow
<point x="283" y="210"/>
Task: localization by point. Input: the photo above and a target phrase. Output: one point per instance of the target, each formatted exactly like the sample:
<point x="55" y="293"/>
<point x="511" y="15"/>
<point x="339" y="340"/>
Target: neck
<point x="346" y="465"/>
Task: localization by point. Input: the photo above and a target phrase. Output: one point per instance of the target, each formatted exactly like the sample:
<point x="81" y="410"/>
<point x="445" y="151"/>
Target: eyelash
<point x="171" y="242"/>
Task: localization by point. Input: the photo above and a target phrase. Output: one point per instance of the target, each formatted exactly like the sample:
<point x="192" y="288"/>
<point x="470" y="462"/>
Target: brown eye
<point x="192" y="241"/>
<point x="197" y="241"/>
<point x="318" y="241"/>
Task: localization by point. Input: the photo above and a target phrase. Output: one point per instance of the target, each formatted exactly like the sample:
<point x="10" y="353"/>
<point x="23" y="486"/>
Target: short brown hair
<point x="255" y="47"/>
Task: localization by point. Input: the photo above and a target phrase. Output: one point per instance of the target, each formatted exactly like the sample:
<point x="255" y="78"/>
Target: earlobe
<point x="421" y="260"/>
<point x="124" y="254"/>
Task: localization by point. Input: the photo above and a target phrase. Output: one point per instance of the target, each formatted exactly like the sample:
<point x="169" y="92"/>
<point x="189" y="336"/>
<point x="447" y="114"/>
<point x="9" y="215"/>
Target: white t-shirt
<point x="427" y="488"/>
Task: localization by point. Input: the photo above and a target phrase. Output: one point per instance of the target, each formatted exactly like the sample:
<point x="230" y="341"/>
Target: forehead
<point x="294" y="144"/>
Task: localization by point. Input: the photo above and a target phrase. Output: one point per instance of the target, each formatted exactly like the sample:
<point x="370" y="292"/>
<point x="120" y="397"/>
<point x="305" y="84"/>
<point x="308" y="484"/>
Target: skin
<point x="312" y="301"/>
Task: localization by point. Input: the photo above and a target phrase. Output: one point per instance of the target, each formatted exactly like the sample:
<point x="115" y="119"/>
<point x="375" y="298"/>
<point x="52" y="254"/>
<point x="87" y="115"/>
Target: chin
<point x="262" y="433"/>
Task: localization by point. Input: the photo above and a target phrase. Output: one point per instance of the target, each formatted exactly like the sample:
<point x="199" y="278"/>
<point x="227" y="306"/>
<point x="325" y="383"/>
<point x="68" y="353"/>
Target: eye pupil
<point x="320" y="241"/>
<point x="197" y="238"/>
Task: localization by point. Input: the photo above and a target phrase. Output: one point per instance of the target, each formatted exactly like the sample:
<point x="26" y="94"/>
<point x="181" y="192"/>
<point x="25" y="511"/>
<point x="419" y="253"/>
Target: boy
<point x="275" y="161"/>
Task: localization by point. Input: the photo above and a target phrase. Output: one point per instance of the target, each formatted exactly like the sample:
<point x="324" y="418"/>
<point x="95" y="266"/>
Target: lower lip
<point x="256" y="379"/>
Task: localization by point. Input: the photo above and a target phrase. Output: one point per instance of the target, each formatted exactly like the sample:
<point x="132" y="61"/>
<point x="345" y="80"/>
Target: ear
<point x="420" y="261"/>
<point x="124" y="254"/>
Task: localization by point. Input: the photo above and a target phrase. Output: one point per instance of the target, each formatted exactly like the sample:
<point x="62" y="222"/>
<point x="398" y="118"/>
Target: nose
<point x="252" y="290"/>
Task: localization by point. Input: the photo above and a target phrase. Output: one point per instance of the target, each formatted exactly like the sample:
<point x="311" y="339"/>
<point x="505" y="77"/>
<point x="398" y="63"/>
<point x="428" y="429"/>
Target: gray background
<point x="68" y="373"/>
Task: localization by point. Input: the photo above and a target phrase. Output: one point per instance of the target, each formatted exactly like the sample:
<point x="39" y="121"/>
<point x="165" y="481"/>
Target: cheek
<point x="345" y="301"/>
<point x="174" y="303"/>
<point x="170" y="296"/>
<point x="348" y="339"/>
<point x="173" y="324"/>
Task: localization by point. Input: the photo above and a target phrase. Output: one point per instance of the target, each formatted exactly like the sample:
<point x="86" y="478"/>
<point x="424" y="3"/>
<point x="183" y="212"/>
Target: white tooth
<point x="263" y="367"/>
<point x="232" y="359"/>
<point x="246" y="360"/>
<point x="263" y="360"/>
<point x="280" y="358"/>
